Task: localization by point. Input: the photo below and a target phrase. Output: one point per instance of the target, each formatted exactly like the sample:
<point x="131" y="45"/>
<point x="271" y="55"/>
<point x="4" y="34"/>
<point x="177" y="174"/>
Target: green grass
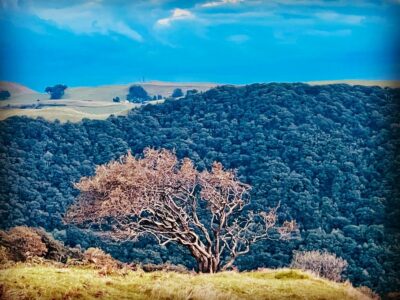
<point x="49" y="282"/>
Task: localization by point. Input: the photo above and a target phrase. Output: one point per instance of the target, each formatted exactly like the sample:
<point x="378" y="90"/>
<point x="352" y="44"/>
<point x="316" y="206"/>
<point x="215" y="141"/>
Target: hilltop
<point x="25" y="281"/>
<point x="16" y="89"/>
<point x="95" y="102"/>
<point x="380" y="83"/>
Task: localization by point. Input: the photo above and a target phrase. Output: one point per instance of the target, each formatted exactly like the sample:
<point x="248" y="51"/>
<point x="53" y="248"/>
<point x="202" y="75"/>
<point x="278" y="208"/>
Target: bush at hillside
<point x="323" y="264"/>
<point x="327" y="153"/>
<point x="21" y="243"/>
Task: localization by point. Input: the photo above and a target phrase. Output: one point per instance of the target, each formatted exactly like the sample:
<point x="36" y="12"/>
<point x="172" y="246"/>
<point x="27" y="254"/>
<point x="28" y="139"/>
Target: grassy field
<point x="83" y="102"/>
<point x="63" y="114"/>
<point x="50" y="282"/>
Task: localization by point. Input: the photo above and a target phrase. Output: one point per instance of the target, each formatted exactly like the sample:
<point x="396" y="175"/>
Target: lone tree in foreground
<point x="169" y="199"/>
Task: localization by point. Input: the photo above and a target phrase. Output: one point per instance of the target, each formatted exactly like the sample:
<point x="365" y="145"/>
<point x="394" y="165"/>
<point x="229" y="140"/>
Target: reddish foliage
<point x="162" y="196"/>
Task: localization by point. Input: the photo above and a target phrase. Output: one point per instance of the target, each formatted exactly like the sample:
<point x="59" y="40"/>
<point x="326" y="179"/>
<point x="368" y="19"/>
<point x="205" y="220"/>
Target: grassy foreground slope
<point x="48" y="282"/>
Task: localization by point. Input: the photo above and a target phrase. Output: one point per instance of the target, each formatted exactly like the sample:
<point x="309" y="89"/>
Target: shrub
<point x="323" y="264"/>
<point x="22" y="242"/>
<point x="103" y="261"/>
<point x="55" y="249"/>
<point x="368" y="292"/>
<point x="4" y="255"/>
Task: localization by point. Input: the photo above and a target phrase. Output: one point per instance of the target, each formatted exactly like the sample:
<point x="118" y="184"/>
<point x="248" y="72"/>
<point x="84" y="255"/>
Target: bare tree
<point x="171" y="200"/>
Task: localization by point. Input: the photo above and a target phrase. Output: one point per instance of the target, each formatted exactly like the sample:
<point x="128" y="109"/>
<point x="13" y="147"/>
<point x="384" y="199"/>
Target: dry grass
<point x="15" y="88"/>
<point x="24" y="281"/>
<point x="63" y="114"/>
<point x="84" y="102"/>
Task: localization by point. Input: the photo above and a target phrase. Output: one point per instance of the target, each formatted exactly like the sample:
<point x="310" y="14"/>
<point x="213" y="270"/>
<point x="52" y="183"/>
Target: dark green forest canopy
<point x="329" y="154"/>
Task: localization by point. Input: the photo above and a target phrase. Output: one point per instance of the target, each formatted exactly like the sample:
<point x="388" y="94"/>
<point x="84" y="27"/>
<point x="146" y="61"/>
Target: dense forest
<point x="329" y="154"/>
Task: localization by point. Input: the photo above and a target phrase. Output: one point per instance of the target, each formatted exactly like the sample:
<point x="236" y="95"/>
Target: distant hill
<point x="381" y="83"/>
<point x="83" y="102"/>
<point x="16" y="88"/>
<point x="95" y="102"/>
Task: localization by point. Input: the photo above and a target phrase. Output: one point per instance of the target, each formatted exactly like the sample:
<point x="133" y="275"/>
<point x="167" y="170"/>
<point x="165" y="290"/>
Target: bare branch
<point x="159" y="195"/>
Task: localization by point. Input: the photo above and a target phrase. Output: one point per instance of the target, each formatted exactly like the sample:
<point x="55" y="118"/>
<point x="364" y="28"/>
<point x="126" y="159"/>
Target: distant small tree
<point x="57" y="91"/>
<point x="191" y="92"/>
<point x="137" y="94"/>
<point x="116" y="99"/>
<point x="154" y="97"/>
<point x="323" y="264"/>
<point x="161" y="196"/>
<point x="159" y="97"/>
<point x="177" y="93"/>
<point x="4" y="95"/>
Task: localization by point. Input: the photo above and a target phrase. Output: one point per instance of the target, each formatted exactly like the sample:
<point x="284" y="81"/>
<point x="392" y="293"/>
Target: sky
<point x="98" y="42"/>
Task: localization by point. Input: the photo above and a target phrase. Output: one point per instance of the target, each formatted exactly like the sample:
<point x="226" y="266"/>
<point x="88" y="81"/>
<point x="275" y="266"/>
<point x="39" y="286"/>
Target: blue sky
<point x="96" y="42"/>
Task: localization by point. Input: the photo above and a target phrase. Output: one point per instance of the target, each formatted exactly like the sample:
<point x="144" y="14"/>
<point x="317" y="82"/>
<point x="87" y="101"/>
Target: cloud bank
<point x="87" y="18"/>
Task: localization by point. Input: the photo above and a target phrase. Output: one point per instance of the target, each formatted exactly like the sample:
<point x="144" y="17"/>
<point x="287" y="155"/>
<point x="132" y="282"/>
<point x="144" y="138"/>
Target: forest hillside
<point x="328" y="154"/>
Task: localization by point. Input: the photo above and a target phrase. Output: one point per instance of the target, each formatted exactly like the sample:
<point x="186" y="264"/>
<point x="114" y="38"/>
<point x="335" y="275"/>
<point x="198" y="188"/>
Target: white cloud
<point x="177" y="15"/>
<point x="87" y="18"/>
<point x="238" y="38"/>
<point x="219" y="3"/>
<point x="326" y="33"/>
<point x="340" y="18"/>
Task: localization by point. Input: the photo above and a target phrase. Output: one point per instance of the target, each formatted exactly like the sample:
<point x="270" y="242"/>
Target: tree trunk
<point x="208" y="265"/>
